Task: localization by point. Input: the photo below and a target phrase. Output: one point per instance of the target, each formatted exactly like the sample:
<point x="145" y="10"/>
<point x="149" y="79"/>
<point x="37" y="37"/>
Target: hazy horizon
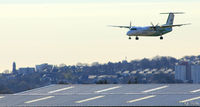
<point x="66" y="31"/>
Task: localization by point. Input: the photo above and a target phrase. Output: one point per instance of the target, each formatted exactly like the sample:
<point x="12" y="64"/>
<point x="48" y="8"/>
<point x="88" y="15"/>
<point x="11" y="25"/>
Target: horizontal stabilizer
<point x="119" y="26"/>
<point x="178" y="25"/>
<point x="173" y="13"/>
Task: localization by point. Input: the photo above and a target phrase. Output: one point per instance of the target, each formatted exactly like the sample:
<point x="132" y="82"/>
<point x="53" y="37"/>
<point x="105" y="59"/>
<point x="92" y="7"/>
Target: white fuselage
<point x="141" y="31"/>
<point x="148" y="31"/>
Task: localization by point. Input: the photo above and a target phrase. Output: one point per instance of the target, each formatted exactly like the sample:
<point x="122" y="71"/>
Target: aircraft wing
<point x="178" y="25"/>
<point x="120" y="26"/>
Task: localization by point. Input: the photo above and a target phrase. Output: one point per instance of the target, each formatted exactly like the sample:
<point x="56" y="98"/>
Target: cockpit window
<point x="133" y="29"/>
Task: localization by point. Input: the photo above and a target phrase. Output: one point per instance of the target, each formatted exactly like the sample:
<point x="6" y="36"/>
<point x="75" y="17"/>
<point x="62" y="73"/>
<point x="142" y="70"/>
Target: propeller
<point x="152" y="24"/>
<point x="130" y="25"/>
<point x="154" y="27"/>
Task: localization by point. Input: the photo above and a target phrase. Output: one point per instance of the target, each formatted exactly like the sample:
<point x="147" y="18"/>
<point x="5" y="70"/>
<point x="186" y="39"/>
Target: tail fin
<point x="170" y="19"/>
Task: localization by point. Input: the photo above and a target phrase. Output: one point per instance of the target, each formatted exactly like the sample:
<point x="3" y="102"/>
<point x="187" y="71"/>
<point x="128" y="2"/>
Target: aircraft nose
<point x="129" y="33"/>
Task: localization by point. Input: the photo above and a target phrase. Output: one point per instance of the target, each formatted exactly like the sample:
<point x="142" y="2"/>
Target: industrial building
<point x="187" y="72"/>
<point x="195" y="70"/>
<point x="106" y="95"/>
<point x="180" y="72"/>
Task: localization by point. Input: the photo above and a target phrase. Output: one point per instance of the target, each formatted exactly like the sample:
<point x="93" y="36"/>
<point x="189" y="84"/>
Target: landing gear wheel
<point x="136" y="38"/>
<point x="129" y="38"/>
<point x="161" y="38"/>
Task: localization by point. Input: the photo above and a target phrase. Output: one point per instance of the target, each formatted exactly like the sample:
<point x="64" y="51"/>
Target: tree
<point x="129" y="82"/>
<point x="136" y="80"/>
<point x="5" y="90"/>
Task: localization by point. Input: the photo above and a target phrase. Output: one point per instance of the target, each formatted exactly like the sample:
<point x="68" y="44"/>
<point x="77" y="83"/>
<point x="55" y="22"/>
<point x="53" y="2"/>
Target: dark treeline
<point x="123" y="72"/>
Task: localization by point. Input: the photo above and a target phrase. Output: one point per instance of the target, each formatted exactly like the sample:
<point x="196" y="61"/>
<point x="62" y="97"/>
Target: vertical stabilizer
<point x="170" y="19"/>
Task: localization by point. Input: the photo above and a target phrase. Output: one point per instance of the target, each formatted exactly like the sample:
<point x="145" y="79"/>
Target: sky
<point x="72" y="31"/>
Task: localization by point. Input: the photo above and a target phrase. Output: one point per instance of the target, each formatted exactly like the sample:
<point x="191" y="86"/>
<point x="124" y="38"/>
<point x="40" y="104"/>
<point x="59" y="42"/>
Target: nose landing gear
<point x="129" y="38"/>
<point x="161" y="38"/>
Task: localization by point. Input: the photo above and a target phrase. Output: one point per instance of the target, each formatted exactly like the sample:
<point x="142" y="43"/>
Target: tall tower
<point x="14" y="70"/>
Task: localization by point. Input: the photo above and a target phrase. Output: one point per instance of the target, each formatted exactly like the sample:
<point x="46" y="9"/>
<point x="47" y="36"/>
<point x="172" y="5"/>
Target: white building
<point x="180" y="72"/>
<point x="195" y="70"/>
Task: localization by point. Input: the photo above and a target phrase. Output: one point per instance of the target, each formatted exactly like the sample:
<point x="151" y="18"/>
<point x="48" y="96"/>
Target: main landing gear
<point x="136" y="38"/>
<point x="161" y="38"/>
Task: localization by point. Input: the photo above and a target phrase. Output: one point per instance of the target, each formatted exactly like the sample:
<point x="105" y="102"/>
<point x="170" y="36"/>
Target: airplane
<point x="154" y="30"/>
